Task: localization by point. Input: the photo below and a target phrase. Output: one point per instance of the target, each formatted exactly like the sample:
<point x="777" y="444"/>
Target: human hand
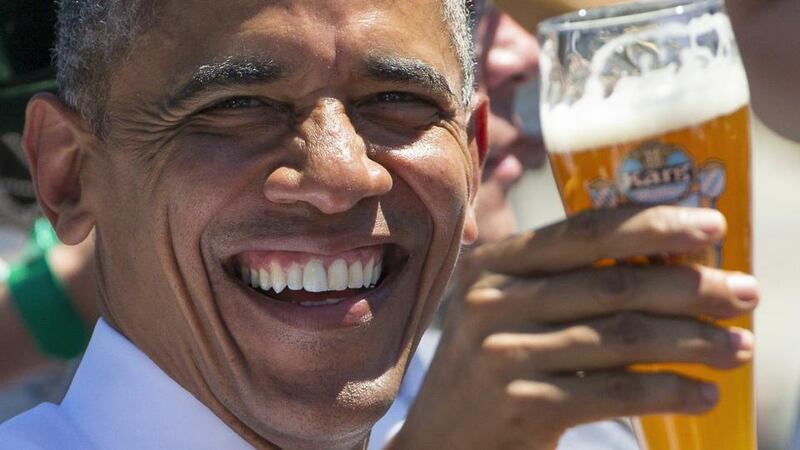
<point x="537" y="337"/>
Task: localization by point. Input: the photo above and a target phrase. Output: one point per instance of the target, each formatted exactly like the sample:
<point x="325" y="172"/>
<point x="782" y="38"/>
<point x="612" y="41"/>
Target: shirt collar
<point x="121" y="399"/>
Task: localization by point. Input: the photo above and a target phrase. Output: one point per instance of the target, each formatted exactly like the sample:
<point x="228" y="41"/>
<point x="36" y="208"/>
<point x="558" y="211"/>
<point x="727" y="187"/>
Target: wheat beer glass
<point x="647" y="103"/>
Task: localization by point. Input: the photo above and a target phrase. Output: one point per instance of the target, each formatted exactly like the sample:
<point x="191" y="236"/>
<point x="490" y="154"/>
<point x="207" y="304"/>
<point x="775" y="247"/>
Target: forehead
<point x="308" y="36"/>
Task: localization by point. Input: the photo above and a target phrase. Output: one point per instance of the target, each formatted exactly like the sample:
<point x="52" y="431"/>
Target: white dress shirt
<point x="120" y="400"/>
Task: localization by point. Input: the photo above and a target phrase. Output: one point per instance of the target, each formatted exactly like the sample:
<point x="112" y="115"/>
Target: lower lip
<point x="350" y="312"/>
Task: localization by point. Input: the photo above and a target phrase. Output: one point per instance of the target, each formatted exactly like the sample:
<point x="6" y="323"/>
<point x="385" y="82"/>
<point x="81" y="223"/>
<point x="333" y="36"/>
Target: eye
<point x="398" y="111"/>
<point x="397" y="97"/>
<point x="238" y="103"/>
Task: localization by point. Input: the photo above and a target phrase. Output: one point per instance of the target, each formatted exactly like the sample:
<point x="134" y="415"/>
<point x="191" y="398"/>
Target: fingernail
<point x="743" y="286"/>
<point x="709" y="393"/>
<point x="709" y="221"/>
<point x="741" y="339"/>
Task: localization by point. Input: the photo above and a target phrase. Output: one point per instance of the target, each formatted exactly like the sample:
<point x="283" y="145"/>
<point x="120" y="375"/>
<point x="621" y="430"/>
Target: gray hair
<point x="93" y="36"/>
<point x="96" y="35"/>
<point x="458" y="17"/>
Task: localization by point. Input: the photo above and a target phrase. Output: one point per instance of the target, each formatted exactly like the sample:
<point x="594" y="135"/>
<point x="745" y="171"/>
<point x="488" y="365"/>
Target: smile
<point x="312" y="280"/>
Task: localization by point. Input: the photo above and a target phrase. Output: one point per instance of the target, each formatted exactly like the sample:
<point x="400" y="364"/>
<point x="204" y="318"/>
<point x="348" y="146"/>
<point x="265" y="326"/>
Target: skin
<point x="540" y="337"/>
<point x="508" y="58"/>
<point x="531" y="309"/>
<point x="527" y="312"/>
<point x="768" y="40"/>
<point x="412" y="169"/>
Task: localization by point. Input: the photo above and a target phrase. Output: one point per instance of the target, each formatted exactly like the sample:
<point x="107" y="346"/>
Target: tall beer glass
<point x="647" y="103"/>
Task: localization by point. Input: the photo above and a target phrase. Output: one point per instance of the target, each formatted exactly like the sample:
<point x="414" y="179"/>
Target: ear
<point x="478" y="135"/>
<point x="55" y="141"/>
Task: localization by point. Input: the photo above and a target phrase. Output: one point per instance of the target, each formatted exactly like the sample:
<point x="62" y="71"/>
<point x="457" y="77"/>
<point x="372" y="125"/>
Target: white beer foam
<point x="704" y="87"/>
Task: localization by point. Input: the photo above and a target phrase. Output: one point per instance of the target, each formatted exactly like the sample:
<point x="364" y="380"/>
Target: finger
<point x="594" y="235"/>
<point x="574" y="400"/>
<point x="618" y="341"/>
<point x="502" y="302"/>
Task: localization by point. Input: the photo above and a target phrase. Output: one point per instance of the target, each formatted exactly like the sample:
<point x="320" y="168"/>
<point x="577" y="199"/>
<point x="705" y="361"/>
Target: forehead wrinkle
<point x="408" y="71"/>
<point x="230" y="71"/>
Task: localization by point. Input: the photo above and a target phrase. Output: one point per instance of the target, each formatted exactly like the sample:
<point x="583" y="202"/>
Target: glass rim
<point x="622" y="13"/>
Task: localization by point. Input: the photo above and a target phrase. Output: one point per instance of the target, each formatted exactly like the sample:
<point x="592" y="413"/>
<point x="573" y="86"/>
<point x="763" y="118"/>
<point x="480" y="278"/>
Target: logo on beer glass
<point x="660" y="173"/>
<point x="656" y="173"/>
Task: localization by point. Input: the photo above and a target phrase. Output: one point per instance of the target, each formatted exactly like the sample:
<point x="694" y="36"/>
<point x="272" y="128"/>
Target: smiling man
<point x="279" y="191"/>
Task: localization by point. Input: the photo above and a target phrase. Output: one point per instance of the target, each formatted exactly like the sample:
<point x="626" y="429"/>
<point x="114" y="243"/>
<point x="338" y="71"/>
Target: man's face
<point x="317" y="145"/>
<point x="508" y="58"/>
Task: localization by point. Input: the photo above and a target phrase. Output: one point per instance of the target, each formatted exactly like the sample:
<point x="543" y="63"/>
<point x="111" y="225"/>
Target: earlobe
<point x="54" y="141"/>
<point x="470" y="234"/>
<point x="479" y="148"/>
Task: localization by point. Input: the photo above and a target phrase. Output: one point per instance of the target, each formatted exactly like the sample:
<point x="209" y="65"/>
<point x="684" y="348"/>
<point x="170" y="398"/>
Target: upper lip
<point x="313" y="245"/>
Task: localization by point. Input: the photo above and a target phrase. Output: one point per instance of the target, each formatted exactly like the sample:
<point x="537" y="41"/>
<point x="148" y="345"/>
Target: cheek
<point x="437" y="174"/>
<point x="200" y="180"/>
<point x="205" y="175"/>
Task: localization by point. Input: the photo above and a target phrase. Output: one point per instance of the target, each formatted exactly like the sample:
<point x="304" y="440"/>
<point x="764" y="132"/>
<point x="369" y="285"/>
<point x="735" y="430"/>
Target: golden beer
<point x="668" y="129"/>
<point x="724" y="141"/>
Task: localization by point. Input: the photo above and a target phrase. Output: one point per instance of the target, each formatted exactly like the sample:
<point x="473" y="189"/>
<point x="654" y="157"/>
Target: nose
<point x="334" y="172"/>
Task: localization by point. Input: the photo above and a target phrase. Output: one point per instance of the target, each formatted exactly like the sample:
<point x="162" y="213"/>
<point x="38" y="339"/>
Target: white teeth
<point x="376" y="273"/>
<point x="294" y="277"/>
<point x="266" y="283"/>
<point x="337" y="275"/>
<point x="278" y="277"/>
<point x="368" y="272"/>
<point x="356" y="276"/>
<point x="254" y="278"/>
<point x="315" y="278"/>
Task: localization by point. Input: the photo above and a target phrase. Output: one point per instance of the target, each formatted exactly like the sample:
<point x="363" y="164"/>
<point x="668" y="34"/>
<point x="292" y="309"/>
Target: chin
<point x="340" y="420"/>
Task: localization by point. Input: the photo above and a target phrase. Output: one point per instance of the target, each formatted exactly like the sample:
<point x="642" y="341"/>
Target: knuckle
<point x="717" y="350"/>
<point x="625" y="390"/>
<point x="503" y="347"/>
<point x="715" y="298"/>
<point x="715" y="337"/>
<point x="663" y="222"/>
<point x="480" y="301"/>
<point x="627" y="330"/>
<point x="584" y="226"/>
<point x="678" y="392"/>
<point x="616" y="286"/>
<point x="524" y="396"/>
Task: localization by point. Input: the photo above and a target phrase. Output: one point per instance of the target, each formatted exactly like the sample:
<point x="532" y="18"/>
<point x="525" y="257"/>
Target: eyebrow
<point x="231" y="71"/>
<point x="409" y="71"/>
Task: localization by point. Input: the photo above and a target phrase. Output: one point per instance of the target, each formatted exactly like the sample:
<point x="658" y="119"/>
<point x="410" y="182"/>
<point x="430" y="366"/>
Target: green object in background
<point x="43" y="235"/>
<point x="26" y="37"/>
<point x="41" y="300"/>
